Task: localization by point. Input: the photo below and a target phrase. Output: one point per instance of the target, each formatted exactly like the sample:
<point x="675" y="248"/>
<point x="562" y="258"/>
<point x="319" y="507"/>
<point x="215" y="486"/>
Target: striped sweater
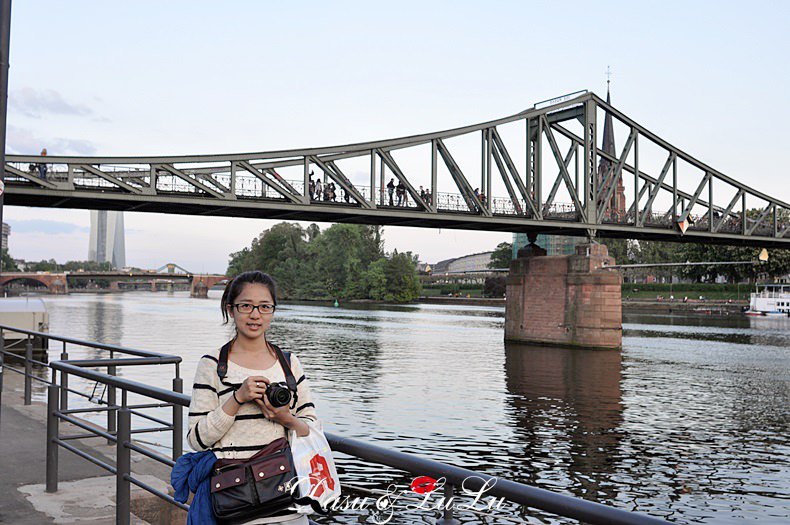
<point x="242" y="435"/>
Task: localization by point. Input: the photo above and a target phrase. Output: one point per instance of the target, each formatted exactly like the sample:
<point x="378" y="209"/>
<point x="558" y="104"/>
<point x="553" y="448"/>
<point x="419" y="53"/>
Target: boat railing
<point x="119" y="430"/>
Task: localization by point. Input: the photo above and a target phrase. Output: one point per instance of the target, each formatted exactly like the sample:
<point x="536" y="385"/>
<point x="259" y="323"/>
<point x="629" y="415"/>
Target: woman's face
<point x="253" y="324"/>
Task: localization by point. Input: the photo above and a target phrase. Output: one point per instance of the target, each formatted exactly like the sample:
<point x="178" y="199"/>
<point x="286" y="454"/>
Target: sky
<point x="177" y="78"/>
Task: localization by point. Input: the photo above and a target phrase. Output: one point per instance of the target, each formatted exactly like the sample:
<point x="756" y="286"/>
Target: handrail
<point x="538" y="498"/>
<point x="91" y="344"/>
<point x="129" y="385"/>
<point x="542" y="499"/>
<point x="554" y="503"/>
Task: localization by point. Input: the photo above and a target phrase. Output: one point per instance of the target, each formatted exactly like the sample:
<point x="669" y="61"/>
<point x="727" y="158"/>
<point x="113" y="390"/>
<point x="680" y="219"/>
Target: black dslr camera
<point x="279" y="394"/>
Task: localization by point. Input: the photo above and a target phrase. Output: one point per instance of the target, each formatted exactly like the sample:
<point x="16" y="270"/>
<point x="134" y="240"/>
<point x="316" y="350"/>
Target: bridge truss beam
<point x="252" y="185"/>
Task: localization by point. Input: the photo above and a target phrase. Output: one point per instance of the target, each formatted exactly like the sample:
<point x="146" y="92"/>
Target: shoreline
<point x="691" y="307"/>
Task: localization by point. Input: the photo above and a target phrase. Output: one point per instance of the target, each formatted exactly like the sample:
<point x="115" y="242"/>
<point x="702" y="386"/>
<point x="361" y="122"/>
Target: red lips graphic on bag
<point x="423" y="485"/>
<point x="320" y="478"/>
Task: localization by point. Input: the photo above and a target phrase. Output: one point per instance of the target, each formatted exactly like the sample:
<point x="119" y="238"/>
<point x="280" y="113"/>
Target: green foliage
<point x="87" y="266"/>
<point x="495" y="286"/>
<point x="345" y="261"/>
<point x="654" y="252"/>
<point x="502" y="256"/>
<point x="70" y="266"/>
<point x="9" y="265"/>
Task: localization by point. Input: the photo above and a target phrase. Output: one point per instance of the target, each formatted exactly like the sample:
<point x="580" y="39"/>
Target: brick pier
<point x="564" y="300"/>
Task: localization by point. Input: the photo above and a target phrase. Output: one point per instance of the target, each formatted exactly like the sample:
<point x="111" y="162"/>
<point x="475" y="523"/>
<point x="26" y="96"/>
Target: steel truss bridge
<point x="538" y="157"/>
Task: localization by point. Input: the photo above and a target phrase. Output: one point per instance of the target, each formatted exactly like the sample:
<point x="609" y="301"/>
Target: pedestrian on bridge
<point x="231" y="412"/>
<point x="390" y="189"/>
<point x="42" y="167"/>
<point x="319" y="191"/>
<point x="400" y="192"/>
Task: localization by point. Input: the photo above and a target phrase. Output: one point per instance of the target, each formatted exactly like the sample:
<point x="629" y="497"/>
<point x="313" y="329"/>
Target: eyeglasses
<point x="247" y="308"/>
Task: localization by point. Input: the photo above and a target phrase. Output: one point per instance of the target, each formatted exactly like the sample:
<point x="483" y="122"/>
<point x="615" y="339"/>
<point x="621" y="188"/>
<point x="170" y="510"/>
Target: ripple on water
<point x="689" y="422"/>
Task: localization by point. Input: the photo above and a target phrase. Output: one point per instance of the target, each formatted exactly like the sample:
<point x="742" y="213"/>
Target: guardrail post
<point x="2" y="363"/>
<point x="447" y="514"/>
<point x="111" y="400"/>
<point x="64" y="381"/>
<point x="178" y="421"/>
<point x="123" y="467"/>
<point x="52" y="435"/>
<point x="28" y="370"/>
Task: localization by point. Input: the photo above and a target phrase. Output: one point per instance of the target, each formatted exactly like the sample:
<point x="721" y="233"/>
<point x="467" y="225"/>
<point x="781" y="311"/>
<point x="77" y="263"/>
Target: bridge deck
<point x="609" y="193"/>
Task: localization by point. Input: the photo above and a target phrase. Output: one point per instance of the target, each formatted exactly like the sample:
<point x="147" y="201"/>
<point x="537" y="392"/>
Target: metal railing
<point x="122" y="435"/>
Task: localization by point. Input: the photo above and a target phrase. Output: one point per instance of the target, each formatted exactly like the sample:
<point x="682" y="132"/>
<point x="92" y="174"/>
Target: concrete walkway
<point x="86" y="492"/>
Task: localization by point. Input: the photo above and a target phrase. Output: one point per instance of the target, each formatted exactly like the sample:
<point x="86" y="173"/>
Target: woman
<point x="232" y="417"/>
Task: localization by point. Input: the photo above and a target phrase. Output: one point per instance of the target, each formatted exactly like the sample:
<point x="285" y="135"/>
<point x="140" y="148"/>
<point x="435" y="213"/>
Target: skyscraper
<point x="107" y="238"/>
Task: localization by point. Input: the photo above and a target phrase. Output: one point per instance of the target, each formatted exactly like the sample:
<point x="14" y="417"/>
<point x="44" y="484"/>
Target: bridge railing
<point x="119" y="357"/>
<point x="122" y="434"/>
<point x="772" y="222"/>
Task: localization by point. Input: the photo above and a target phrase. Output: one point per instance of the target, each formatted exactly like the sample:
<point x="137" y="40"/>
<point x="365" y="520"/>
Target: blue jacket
<point x="192" y="473"/>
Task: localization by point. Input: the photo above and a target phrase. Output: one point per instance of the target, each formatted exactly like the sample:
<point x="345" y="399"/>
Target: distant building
<point x="107" y="238"/>
<point x="467" y="263"/>
<point x="6" y="233"/>
<point x="553" y="244"/>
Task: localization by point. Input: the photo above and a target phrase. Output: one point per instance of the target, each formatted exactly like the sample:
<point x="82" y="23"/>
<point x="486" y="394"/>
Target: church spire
<point x="616" y="206"/>
<point x="608" y="130"/>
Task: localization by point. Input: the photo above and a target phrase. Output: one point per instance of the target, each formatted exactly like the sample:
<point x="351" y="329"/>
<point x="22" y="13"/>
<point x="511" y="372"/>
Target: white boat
<point x="771" y="300"/>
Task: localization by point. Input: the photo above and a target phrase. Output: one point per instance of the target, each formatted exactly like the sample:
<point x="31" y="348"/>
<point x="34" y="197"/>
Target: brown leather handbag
<point x="255" y="487"/>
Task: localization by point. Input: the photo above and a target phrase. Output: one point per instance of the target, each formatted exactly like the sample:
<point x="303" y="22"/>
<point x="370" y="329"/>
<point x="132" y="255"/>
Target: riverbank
<point x="692" y="306"/>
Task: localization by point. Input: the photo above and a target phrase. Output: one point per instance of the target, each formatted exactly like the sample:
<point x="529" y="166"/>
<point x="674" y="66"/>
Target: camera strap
<point x="283" y="357"/>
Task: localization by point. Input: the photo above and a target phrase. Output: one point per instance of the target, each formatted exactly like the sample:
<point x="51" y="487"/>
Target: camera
<point x="279" y="394"/>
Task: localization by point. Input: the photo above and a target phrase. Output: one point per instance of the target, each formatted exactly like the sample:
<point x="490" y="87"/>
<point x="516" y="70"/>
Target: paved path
<point x="86" y="492"/>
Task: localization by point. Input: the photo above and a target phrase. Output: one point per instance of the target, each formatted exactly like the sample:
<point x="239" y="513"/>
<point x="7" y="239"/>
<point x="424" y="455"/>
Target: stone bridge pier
<point x="200" y="284"/>
<point x="564" y="300"/>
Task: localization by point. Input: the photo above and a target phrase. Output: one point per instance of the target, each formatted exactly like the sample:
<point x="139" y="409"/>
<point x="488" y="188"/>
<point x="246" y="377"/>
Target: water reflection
<point x="107" y="322"/>
<point x="567" y="407"/>
<point x="688" y="422"/>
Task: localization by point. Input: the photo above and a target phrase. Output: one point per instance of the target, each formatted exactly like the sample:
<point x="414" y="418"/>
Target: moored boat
<point x="770" y="300"/>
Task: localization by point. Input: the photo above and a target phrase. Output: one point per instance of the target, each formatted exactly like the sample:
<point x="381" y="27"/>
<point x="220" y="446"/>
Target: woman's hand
<point x="281" y="415"/>
<point x="252" y="388"/>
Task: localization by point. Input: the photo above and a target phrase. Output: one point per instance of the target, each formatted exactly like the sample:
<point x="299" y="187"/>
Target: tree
<point x="495" y="286"/>
<point x="502" y="256"/>
<point x="344" y="261"/>
<point x="9" y="265"/>
<point x="403" y="284"/>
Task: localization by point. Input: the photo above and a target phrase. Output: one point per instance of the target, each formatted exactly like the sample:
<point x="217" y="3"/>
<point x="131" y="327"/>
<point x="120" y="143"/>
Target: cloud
<point x="46" y="226"/>
<point x="71" y="147"/>
<point x="22" y="141"/>
<point x="35" y="103"/>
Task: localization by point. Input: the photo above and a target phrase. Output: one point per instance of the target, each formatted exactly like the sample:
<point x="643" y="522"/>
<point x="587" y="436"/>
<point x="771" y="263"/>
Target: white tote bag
<point x="318" y="483"/>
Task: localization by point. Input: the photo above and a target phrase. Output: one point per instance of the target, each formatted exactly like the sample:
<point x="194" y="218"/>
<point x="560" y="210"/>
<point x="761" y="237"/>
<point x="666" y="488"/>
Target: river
<point x="689" y="422"/>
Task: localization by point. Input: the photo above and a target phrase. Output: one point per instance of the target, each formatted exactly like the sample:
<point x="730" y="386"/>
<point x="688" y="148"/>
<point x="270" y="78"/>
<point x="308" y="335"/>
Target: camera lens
<point x="279" y="396"/>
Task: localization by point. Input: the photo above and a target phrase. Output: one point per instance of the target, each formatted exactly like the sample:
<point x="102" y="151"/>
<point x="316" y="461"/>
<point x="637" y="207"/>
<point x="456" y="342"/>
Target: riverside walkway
<point x="86" y="493"/>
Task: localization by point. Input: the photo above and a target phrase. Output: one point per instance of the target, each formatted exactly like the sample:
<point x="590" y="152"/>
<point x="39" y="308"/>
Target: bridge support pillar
<point x="564" y="300"/>
<point x="199" y="289"/>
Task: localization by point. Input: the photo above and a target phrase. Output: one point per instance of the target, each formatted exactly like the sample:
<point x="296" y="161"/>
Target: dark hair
<point x="234" y="288"/>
